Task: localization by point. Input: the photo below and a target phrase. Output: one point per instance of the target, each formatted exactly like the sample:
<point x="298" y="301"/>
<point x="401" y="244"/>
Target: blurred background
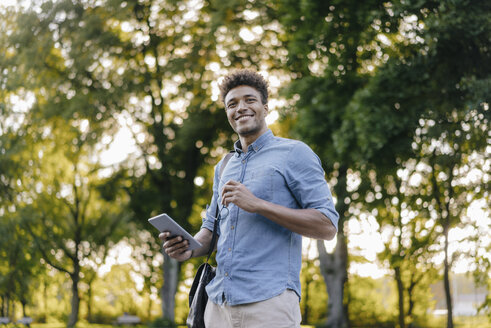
<point x="110" y="114"/>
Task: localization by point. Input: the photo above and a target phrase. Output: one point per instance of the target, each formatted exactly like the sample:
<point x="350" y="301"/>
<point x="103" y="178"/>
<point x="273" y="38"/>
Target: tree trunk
<point x="73" y="318"/>
<point x="89" y="302"/>
<point x="446" y="279"/>
<point x="24" y="312"/>
<point x="334" y="271"/>
<point x="7" y="307"/>
<point x="169" y="289"/>
<point x="334" y="267"/>
<point x="400" y="294"/>
<point x="411" y="300"/>
<point x="45" y="299"/>
<point x="443" y="208"/>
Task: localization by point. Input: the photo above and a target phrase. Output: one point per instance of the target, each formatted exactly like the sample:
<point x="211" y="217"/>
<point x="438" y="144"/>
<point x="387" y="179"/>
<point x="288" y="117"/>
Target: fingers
<point x="177" y="250"/>
<point x="173" y="246"/>
<point x="164" y="235"/>
<point x="228" y="191"/>
<point x="175" y="243"/>
<point x="176" y="247"/>
<point x="234" y="192"/>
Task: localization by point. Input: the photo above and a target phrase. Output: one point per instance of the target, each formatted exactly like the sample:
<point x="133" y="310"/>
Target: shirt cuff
<point x="331" y="216"/>
<point x="208" y="223"/>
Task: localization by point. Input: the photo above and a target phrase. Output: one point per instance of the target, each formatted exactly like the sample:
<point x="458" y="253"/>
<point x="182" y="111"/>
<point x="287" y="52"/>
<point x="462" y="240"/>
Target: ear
<point x="266" y="108"/>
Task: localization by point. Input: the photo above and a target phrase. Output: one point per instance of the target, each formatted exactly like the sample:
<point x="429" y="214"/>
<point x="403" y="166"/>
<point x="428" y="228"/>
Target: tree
<point x="19" y="261"/>
<point x="449" y="157"/>
<point x="19" y="265"/>
<point x="56" y="200"/>
<point x="409" y="236"/>
<point x="452" y="62"/>
<point x="366" y="76"/>
<point x="69" y="220"/>
<point x="384" y="121"/>
<point x="152" y="64"/>
<point x="324" y="41"/>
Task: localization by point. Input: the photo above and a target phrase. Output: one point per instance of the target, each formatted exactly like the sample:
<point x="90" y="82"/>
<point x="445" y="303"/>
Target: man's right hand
<point x="176" y="247"/>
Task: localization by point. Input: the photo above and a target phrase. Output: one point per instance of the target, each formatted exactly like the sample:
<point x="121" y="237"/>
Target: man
<point x="275" y="193"/>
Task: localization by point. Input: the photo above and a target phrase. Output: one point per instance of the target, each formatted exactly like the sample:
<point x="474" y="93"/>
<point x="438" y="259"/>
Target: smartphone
<point x="163" y="222"/>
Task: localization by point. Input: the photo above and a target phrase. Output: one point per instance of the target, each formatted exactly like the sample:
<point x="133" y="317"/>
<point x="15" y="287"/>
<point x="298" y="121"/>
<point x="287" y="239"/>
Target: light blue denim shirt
<point x="257" y="258"/>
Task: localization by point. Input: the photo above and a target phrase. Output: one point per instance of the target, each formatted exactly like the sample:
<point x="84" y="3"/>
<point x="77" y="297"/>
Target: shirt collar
<point x="256" y="145"/>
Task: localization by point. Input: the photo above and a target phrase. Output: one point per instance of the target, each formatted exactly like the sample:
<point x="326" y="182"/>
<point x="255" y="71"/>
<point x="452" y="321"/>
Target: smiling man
<point x="275" y="192"/>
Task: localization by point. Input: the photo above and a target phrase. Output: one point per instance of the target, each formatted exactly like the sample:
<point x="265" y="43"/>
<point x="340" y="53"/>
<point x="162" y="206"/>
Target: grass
<point x="459" y="322"/>
<point x="93" y="325"/>
<point x="466" y="322"/>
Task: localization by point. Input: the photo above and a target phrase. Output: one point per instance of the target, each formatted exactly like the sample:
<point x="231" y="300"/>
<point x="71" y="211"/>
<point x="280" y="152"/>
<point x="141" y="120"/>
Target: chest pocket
<point x="260" y="182"/>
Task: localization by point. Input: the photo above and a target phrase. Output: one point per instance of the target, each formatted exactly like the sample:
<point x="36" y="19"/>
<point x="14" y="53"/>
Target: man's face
<point x="245" y="111"/>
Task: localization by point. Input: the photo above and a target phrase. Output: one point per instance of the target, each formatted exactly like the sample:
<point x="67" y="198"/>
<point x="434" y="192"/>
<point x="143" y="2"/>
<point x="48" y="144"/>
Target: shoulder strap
<point x="217" y="217"/>
<point x="225" y="161"/>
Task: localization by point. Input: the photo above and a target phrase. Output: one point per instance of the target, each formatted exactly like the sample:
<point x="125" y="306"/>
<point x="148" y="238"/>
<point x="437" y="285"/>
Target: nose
<point x="241" y="105"/>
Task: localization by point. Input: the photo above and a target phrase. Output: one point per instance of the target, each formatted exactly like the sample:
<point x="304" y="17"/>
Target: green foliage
<point x="314" y="296"/>
<point x="395" y="93"/>
<point x="372" y="302"/>
<point x="19" y="263"/>
<point x="369" y="79"/>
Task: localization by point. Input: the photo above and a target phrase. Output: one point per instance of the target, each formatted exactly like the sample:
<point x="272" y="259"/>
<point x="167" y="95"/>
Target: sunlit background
<point x="123" y="145"/>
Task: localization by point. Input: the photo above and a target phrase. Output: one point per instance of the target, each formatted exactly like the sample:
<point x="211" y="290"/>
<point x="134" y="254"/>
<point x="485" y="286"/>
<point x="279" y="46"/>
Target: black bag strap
<point x="217" y="214"/>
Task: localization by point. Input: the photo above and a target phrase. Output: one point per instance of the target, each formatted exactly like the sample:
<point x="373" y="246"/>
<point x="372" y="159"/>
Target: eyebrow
<point x="244" y="96"/>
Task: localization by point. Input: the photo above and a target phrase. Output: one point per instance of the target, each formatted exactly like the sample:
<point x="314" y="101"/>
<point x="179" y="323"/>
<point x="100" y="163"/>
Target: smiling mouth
<point x="242" y="117"/>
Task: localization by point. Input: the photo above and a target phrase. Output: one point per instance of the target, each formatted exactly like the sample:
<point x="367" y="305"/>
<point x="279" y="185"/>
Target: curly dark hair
<point x="244" y="77"/>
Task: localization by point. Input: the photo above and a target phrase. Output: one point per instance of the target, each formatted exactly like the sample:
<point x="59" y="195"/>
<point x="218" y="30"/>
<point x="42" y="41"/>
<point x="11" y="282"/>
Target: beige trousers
<point x="282" y="311"/>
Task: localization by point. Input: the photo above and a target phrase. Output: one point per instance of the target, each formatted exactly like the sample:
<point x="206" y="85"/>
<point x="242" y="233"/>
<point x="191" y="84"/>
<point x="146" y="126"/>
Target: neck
<point x="248" y="139"/>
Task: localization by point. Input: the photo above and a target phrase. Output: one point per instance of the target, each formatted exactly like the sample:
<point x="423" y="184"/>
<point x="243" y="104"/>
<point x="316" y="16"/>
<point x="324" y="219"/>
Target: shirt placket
<point x="234" y="218"/>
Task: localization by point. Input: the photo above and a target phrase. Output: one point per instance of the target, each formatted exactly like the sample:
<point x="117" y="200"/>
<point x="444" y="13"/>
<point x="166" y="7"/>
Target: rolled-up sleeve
<point x="306" y="180"/>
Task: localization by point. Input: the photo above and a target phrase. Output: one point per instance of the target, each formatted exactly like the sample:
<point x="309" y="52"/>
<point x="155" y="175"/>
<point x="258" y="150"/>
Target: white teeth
<point x="242" y="117"/>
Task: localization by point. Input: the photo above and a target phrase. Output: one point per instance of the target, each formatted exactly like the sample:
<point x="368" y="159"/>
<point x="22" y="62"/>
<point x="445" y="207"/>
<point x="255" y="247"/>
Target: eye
<point x="251" y="100"/>
<point x="231" y="105"/>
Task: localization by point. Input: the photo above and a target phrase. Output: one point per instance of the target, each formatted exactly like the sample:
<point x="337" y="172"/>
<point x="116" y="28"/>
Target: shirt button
<point x="229" y="249"/>
<point x="232" y="227"/>
<point x="226" y="274"/>
<point x="243" y="161"/>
